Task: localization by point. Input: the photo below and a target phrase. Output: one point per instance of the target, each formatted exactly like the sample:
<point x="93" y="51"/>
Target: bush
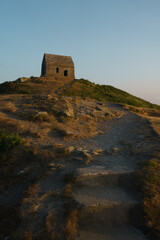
<point x="7" y="142"/>
<point x="33" y="78"/>
<point x="39" y="81"/>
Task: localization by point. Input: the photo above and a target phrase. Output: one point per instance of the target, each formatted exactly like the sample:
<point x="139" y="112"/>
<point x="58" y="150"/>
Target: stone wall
<point x="51" y="70"/>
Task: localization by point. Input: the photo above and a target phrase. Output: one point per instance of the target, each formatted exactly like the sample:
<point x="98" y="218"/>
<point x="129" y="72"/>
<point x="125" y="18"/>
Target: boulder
<point x="64" y="108"/>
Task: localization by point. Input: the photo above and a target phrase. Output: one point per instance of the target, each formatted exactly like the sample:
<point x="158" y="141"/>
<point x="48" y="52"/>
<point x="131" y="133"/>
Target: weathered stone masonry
<point x="57" y="66"/>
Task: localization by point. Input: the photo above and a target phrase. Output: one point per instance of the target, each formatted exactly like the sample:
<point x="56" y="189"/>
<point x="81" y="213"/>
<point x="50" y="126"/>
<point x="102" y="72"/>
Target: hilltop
<point x="81" y="87"/>
<point x="33" y="85"/>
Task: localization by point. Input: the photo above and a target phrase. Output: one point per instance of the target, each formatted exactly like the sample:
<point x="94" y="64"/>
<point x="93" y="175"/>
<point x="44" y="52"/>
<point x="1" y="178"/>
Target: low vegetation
<point x="38" y="117"/>
<point x="149" y="182"/>
<point x="12" y="87"/>
<point x="71" y="220"/>
<point x="33" y="85"/>
<point x="82" y="88"/>
<point x="8" y="142"/>
<point x="71" y="210"/>
<point x="71" y="224"/>
<point x="148" y="176"/>
<point x="144" y="111"/>
<point x="69" y="179"/>
<point x="106" y="93"/>
<point x="50" y="226"/>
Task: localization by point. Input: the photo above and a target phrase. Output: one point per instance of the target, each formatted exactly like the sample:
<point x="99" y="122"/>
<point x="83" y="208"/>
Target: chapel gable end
<point x="57" y="66"/>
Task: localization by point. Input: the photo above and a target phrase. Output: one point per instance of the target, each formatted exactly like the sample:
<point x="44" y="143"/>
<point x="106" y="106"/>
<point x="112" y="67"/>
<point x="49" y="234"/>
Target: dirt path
<point x="104" y="189"/>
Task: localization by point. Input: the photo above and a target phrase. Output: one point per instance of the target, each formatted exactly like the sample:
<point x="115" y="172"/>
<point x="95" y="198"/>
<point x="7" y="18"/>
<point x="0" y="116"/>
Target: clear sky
<point x="112" y="42"/>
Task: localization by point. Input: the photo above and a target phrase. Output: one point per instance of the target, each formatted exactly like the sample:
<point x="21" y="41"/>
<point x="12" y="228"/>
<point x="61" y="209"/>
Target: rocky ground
<point x="75" y="174"/>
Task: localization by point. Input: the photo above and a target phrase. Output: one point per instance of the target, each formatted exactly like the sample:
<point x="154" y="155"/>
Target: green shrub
<point x="36" y="79"/>
<point x="32" y="77"/>
<point x="39" y="81"/>
<point x="25" y="92"/>
<point x="7" y="142"/>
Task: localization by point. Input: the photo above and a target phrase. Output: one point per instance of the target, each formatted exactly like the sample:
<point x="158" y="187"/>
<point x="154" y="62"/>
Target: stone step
<point x="109" y="205"/>
<point x="110" y="179"/>
<point x="95" y="170"/>
<point x="106" y="179"/>
<point x="115" y="215"/>
<point x="102" y="196"/>
<point x="97" y="176"/>
<point x="104" y="232"/>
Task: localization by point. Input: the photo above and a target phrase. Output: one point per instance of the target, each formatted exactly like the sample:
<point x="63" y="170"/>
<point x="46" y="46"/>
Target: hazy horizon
<point x="111" y="42"/>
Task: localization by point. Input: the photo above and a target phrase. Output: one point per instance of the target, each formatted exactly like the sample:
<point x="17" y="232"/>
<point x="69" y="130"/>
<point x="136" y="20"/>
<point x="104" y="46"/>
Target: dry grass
<point x="27" y="235"/>
<point x="32" y="191"/>
<point x="149" y="183"/>
<point x="48" y="117"/>
<point x="155" y="122"/>
<point x="50" y="226"/>
<point x="153" y="115"/>
<point x="69" y="178"/>
<point x="34" y="85"/>
<point x="68" y="190"/>
<point x="71" y="224"/>
<point x="148" y="177"/>
<point x="9" y="125"/>
<point x="144" y="111"/>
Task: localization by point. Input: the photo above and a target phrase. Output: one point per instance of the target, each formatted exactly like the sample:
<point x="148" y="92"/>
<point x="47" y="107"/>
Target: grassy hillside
<point x="12" y="88"/>
<point x="107" y="93"/>
<point x="82" y="87"/>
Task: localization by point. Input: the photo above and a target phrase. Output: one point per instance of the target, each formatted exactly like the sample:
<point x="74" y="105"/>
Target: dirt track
<point x="105" y="189"/>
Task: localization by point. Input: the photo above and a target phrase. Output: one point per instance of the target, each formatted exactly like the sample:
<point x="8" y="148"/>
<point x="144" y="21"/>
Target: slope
<point x="106" y="93"/>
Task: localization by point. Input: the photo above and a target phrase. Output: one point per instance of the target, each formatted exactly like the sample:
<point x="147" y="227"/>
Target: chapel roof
<point x="58" y="60"/>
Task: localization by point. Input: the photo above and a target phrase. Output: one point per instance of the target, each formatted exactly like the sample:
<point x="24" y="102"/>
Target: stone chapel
<point x="57" y="66"/>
